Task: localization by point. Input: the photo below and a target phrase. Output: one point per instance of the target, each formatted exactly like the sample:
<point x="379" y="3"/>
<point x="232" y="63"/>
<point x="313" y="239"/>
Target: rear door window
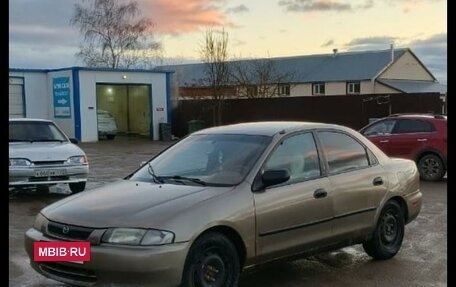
<point x="406" y="126"/>
<point x="342" y="152"/>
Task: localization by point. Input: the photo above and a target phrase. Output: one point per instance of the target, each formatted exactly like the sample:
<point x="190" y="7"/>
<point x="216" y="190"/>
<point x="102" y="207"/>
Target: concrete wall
<point x="406" y="67"/>
<point x="36" y="94"/>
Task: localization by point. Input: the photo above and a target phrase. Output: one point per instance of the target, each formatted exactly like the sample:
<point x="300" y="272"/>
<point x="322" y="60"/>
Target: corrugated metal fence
<point x="350" y="110"/>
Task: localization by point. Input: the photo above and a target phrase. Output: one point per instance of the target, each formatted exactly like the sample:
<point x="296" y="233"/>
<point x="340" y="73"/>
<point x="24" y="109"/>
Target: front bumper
<point x="26" y="176"/>
<point x="116" y="265"/>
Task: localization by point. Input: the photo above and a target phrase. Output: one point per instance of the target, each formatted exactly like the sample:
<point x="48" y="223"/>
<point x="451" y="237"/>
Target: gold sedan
<point x="226" y="198"/>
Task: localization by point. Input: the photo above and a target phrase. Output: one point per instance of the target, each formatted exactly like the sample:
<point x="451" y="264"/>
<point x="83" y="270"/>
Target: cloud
<point x="432" y="50"/>
<point x="45" y="34"/>
<point x="327" y="44"/>
<point x="176" y="16"/>
<point x="370" y="43"/>
<point x="315" y="5"/>
<point x="238" y="9"/>
<point x="366" y="5"/>
<point x="41" y="56"/>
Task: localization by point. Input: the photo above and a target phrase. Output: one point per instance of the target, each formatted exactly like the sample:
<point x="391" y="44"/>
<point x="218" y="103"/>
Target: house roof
<point x="346" y="66"/>
<point x="410" y="86"/>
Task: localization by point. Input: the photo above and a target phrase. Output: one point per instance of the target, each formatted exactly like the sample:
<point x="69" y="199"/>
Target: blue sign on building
<point x="62" y="103"/>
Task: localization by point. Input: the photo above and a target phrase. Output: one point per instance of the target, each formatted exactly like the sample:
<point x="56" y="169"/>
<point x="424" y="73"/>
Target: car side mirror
<point x="74" y="141"/>
<point x="273" y="177"/>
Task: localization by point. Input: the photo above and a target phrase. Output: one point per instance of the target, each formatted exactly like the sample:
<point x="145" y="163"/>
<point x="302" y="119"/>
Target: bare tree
<point x="114" y="34"/>
<point x="214" y="54"/>
<point x="260" y="78"/>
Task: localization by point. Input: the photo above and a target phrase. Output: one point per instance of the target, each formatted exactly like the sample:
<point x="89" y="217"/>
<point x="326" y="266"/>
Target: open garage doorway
<point x="129" y="105"/>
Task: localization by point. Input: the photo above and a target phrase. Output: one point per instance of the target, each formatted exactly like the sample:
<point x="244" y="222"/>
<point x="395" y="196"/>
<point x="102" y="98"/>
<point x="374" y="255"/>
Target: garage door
<point x="16" y="97"/>
<point x="128" y="104"/>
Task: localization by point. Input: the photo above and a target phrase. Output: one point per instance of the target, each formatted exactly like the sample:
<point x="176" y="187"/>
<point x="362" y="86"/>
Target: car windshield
<point x="205" y="159"/>
<point x="29" y="131"/>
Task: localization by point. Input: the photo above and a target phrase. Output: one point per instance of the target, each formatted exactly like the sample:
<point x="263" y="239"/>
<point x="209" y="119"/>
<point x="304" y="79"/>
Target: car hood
<point x="43" y="151"/>
<point x="128" y="204"/>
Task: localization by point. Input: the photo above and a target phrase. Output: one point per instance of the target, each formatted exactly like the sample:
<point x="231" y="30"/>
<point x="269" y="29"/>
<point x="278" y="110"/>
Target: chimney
<point x="392" y="52"/>
<point x="334" y="52"/>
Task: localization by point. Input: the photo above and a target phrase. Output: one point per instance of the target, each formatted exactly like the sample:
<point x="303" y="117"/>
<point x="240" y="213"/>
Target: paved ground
<point x="422" y="260"/>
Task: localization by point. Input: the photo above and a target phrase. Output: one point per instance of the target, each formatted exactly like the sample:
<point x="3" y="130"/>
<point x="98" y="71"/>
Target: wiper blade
<point x="47" y="140"/>
<point x="155" y="178"/>
<point x="192" y="179"/>
<point x="18" y="140"/>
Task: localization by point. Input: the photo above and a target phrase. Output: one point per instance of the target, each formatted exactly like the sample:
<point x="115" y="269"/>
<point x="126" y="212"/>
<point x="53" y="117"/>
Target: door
<point x="358" y="181"/>
<point x="297" y="213"/>
<point x="128" y="104"/>
<point x="409" y="137"/>
<point x="380" y="133"/>
<point x="138" y="109"/>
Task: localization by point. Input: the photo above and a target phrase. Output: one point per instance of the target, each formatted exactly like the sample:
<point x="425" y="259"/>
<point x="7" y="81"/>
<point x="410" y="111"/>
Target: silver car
<point x="107" y="126"/>
<point x="229" y="198"/>
<point x="41" y="155"/>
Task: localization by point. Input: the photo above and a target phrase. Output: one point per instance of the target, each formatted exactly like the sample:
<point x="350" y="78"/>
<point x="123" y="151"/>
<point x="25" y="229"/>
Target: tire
<point x="431" y="167"/>
<point x="389" y="232"/>
<point x="76" y="187"/>
<point x="110" y="137"/>
<point x="212" y="261"/>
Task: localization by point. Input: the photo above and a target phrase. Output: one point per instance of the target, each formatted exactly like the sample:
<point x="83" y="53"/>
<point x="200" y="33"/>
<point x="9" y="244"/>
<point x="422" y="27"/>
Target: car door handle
<point x="421" y="140"/>
<point x="384" y="141"/>
<point x="378" y="181"/>
<point x="320" y="193"/>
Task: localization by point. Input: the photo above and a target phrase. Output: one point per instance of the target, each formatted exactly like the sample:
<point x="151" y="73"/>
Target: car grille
<point x="48" y="178"/>
<point x="55" y="162"/>
<point x="69" y="272"/>
<point x="69" y="232"/>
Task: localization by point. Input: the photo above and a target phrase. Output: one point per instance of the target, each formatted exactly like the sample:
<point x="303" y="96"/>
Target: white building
<point x="138" y="99"/>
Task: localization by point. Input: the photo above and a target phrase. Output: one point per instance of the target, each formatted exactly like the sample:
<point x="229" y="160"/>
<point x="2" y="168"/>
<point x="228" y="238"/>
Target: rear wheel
<point x="110" y="137"/>
<point x="431" y="167"/>
<point x="212" y="261"/>
<point x="76" y="187"/>
<point x="389" y="232"/>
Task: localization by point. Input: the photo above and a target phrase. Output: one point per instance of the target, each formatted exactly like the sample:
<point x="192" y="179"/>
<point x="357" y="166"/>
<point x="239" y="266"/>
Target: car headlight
<point x="19" y="162"/>
<point x="40" y="221"/>
<point x="135" y="236"/>
<point x="80" y="159"/>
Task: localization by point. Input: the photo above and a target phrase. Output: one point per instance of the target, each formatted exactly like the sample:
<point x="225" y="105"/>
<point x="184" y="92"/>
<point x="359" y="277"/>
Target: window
<point x="318" y="89"/>
<point x="353" y="87"/>
<point x="343" y="153"/>
<point x="284" y="90"/>
<point x="297" y="154"/>
<point x="413" y="126"/>
<point x="380" y="128"/>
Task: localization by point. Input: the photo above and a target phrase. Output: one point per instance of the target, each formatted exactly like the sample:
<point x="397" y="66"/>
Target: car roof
<point x="29" y="120"/>
<point x="268" y="128"/>
<point x="428" y="116"/>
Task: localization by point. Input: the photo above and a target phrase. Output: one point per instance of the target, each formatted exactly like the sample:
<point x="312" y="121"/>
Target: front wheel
<point x="389" y="232"/>
<point x="212" y="261"/>
<point x="76" y="187"/>
<point x="431" y="167"/>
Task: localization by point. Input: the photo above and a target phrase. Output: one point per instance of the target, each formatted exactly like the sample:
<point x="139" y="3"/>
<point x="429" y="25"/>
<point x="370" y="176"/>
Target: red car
<point x="420" y="137"/>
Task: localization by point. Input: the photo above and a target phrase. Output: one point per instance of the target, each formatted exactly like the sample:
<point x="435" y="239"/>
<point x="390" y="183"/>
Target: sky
<point x="40" y="35"/>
